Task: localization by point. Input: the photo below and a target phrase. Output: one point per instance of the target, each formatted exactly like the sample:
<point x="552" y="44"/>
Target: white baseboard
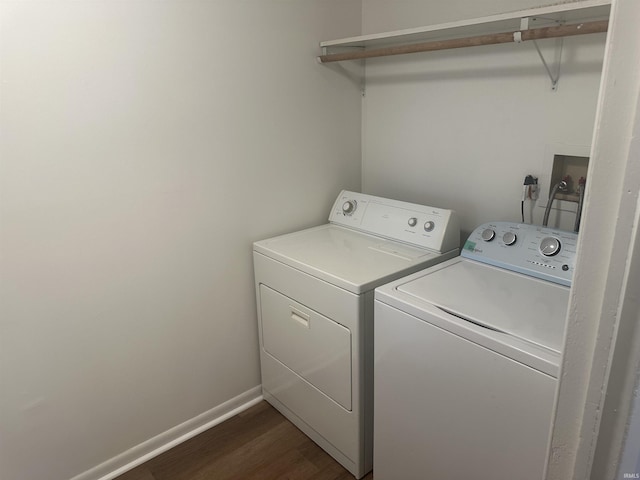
<point x="174" y="436"/>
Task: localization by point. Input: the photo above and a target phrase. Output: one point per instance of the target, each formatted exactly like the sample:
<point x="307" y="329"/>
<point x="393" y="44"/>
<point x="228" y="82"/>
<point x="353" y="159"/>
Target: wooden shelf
<point x="574" y="13"/>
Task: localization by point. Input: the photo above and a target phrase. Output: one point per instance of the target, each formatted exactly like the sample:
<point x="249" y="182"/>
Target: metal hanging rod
<point x="490" y="39"/>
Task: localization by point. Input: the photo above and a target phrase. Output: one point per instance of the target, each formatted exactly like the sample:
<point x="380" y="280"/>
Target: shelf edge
<point x="398" y="34"/>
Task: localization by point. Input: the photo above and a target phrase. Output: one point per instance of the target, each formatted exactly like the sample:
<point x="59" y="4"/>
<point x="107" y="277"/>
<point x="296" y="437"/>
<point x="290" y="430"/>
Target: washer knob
<point x="349" y="207"/>
<point x="413" y="221"/>
<point x="509" y="238"/>
<point x="488" y="234"/>
<point x="550" y="246"/>
<point x="429" y="226"/>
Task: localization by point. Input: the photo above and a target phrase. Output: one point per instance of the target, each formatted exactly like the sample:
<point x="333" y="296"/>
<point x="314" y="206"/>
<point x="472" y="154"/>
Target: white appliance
<point x="467" y="355"/>
<point x="315" y="312"/>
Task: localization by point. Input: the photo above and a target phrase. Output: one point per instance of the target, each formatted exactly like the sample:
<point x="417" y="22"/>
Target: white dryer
<point x="467" y="355"/>
<point x="315" y="312"/>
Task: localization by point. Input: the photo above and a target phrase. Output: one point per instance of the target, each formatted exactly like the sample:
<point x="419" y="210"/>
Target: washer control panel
<point x="433" y="228"/>
<point x="541" y="252"/>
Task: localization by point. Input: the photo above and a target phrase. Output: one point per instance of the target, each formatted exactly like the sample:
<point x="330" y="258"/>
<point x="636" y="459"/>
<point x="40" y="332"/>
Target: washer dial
<point x="509" y="238"/>
<point x="413" y="221"/>
<point x="429" y="226"/>
<point x="488" y="234"/>
<point x="349" y="207"/>
<point x="550" y="246"/>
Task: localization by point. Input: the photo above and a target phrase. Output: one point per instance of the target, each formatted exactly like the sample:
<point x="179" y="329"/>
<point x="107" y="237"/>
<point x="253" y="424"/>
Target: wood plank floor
<point x="257" y="444"/>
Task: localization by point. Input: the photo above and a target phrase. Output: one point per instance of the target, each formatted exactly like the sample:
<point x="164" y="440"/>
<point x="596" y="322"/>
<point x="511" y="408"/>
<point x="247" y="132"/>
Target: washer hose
<point x="558" y="186"/>
<point x="576" y="225"/>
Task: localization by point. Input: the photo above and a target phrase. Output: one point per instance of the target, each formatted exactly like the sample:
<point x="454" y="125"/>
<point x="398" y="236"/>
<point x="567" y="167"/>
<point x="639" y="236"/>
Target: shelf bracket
<point x="553" y="76"/>
<point x="359" y="78"/>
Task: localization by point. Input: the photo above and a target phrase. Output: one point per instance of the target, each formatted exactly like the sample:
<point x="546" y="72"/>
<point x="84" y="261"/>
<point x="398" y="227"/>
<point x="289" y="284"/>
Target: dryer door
<point x="312" y="345"/>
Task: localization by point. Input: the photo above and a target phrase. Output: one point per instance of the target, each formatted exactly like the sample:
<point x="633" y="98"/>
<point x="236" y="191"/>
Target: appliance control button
<point x="565" y="267"/>
<point x="488" y="234"/>
<point x="349" y="207"/>
<point x="509" y="238"/>
<point x="429" y="226"/>
<point x="550" y="246"/>
<point x="413" y="221"/>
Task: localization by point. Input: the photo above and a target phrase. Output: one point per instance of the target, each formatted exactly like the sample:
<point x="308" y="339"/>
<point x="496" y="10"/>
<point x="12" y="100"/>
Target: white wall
<point x="461" y="128"/>
<point x="144" y="146"/>
<point x="603" y="309"/>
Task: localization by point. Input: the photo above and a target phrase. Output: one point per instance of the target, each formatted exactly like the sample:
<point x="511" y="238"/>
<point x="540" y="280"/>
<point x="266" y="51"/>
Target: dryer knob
<point x="349" y="207"/>
<point x="429" y="226"/>
<point x="413" y="221"/>
<point x="509" y="238"/>
<point x="488" y="234"/>
<point x="550" y="246"/>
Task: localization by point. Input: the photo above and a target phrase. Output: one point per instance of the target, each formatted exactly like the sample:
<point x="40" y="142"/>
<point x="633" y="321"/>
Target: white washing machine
<point x="315" y="312"/>
<point x="467" y="355"/>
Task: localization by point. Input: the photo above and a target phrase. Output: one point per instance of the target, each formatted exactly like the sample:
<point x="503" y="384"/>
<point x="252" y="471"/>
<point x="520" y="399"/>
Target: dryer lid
<point x="349" y="259"/>
<point x="518" y="305"/>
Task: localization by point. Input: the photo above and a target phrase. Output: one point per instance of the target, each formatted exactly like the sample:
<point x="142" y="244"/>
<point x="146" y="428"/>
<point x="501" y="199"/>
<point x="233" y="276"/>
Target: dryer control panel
<point x="541" y="252"/>
<point x="437" y="229"/>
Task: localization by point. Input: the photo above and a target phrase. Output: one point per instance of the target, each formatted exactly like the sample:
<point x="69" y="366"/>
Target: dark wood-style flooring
<point x="258" y="444"/>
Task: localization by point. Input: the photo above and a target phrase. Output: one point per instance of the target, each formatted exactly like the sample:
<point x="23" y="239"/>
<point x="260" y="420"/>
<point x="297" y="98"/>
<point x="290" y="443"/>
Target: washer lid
<point x="518" y="305"/>
<point x="352" y="260"/>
